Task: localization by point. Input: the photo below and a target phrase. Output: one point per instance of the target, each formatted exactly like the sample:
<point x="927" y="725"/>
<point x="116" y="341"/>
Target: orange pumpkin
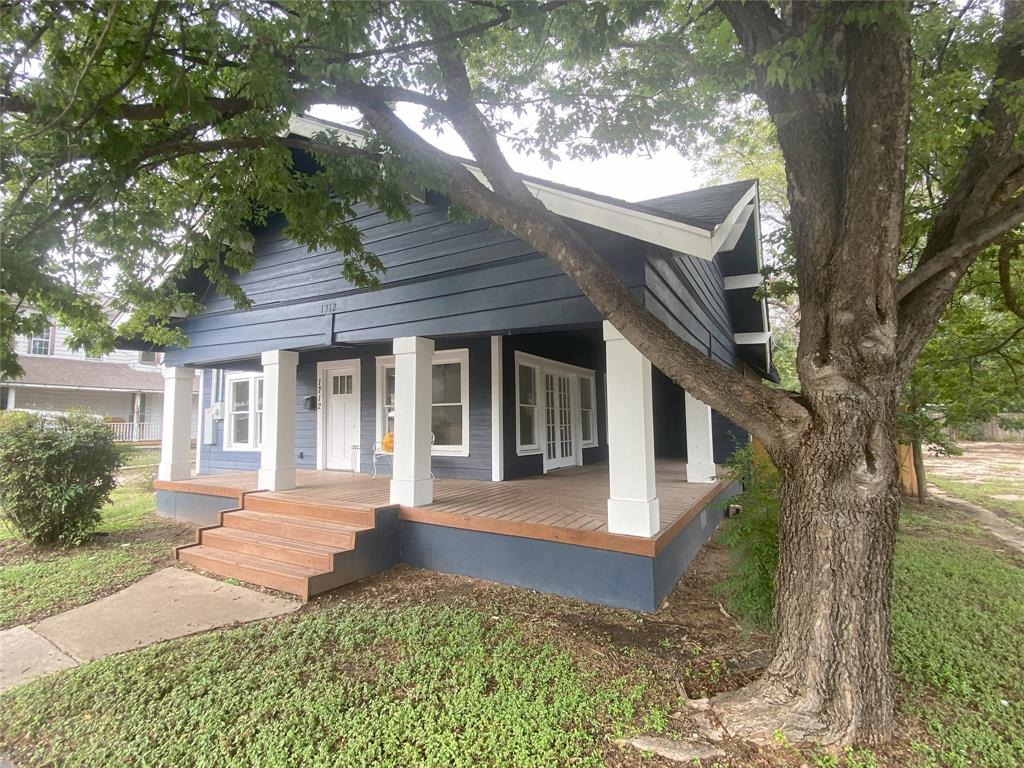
<point x="387" y="443"/>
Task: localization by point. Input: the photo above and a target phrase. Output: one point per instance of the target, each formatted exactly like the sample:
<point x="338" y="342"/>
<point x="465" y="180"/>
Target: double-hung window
<point x="526" y="401"/>
<point x="41" y="343"/>
<point x="449" y="391"/>
<point x="588" y="412"/>
<point x="243" y="429"/>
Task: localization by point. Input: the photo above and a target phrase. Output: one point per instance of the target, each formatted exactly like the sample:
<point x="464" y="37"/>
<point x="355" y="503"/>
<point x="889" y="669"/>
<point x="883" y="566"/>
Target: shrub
<point x="56" y="473"/>
<point x="752" y="538"/>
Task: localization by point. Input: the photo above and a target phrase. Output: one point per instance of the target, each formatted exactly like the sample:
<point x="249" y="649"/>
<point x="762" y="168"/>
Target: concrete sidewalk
<point x="167" y="604"/>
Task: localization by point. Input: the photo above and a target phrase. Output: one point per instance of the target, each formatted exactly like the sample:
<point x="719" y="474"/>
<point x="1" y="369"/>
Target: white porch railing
<point x="127" y="432"/>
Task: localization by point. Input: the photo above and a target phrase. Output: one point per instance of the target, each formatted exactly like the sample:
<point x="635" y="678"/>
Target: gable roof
<point x="707" y="207"/>
<point x="698" y="223"/>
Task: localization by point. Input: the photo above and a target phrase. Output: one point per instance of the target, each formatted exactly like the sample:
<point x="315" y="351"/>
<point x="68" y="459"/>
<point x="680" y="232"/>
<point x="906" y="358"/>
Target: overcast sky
<point x="626" y="177"/>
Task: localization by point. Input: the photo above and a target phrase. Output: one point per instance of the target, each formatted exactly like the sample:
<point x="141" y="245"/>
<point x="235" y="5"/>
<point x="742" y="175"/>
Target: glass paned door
<point x="559" y="429"/>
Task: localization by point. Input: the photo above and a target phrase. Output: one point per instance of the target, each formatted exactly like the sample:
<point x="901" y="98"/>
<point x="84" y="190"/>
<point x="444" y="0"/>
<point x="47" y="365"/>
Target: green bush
<point x="752" y="539"/>
<point x="56" y="474"/>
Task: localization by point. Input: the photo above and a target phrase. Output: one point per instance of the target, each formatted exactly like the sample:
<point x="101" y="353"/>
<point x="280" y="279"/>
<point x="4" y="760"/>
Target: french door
<point x="559" y="424"/>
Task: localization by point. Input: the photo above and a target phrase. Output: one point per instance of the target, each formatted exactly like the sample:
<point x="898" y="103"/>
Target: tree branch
<point x="771" y="415"/>
<point x="1006" y="249"/>
<point x="970" y="242"/>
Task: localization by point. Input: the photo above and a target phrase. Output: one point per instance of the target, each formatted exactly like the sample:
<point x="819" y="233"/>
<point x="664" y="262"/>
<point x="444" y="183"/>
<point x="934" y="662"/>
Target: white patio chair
<point x="380" y="453"/>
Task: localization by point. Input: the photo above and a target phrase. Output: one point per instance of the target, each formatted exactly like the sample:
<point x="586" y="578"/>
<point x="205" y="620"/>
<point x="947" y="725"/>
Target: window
<point x="244" y="428"/>
<point x="449" y="385"/>
<point x="40" y="343"/>
<point x="147" y="357"/>
<point x="588" y="413"/>
<point x="341" y="384"/>
<point x="526" y="397"/>
<point x="556" y="407"/>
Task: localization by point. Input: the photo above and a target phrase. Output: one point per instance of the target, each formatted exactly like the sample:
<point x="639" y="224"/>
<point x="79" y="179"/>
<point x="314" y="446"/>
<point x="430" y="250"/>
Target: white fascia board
<point x="646" y="227"/>
<point x="732" y="232"/>
<point x="761" y="337"/>
<point x="744" y="282"/>
<point x="75" y="388"/>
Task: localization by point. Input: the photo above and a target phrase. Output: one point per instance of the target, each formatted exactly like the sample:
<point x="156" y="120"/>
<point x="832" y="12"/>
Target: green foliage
<point x="958" y="616"/>
<point x="363" y="685"/>
<point x="56" y="473"/>
<point x="752" y="538"/>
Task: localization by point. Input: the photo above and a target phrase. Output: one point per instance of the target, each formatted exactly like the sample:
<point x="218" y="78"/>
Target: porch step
<point x="329" y="534"/>
<point x="351" y="514"/>
<point x="285" y="577"/>
<point x="283" y="550"/>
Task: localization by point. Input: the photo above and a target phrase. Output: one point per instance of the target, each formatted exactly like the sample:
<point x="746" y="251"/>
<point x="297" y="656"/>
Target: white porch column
<point x="411" y="484"/>
<point x="633" y="497"/>
<point x="175" y="462"/>
<point x="277" y="456"/>
<point x="700" y="457"/>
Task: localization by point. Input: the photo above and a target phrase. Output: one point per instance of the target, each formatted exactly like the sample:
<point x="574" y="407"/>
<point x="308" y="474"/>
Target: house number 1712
<point x="328" y="307"/>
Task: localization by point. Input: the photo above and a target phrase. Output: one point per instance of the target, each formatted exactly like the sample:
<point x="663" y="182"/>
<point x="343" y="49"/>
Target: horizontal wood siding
<point x="688" y="294"/>
<point x="442" y="278"/>
<point x="584" y="348"/>
<point x="726" y="437"/>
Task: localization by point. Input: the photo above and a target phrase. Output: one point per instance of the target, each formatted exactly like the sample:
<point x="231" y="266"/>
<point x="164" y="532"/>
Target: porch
<point x="569" y="505"/>
<point x="547" y="532"/>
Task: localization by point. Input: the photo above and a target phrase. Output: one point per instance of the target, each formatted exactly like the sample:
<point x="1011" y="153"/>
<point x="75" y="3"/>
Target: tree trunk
<point x="829" y="679"/>
<point x="922" y="488"/>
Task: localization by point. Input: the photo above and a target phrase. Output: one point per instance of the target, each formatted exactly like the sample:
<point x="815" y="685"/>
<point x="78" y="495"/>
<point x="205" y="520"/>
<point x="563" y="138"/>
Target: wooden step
<point x="327" y="534"/>
<point x="351" y="514"/>
<point x="256" y="570"/>
<point x="276" y="548"/>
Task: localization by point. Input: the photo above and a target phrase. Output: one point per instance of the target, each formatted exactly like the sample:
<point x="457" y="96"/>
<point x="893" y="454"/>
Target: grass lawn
<point x="986" y="492"/>
<point x="412" y="668"/>
<point x="958" y="641"/>
<point x="130" y="543"/>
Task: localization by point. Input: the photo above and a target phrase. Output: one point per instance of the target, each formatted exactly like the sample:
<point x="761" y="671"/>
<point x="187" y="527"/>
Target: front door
<point x="559" y="429"/>
<point x="342" y="418"/>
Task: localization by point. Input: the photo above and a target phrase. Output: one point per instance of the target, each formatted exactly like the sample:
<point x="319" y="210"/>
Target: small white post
<point x="175" y="463"/>
<point x="633" y="497"/>
<point x="700" y="456"/>
<point x="497" y="431"/>
<point x="411" y="484"/>
<point x="277" y="454"/>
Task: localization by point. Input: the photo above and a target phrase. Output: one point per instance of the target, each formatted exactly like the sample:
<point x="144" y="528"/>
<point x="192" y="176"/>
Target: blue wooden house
<point x="476" y="414"/>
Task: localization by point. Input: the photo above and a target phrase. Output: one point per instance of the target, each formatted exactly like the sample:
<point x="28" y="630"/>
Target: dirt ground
<point x="980" y="462"/>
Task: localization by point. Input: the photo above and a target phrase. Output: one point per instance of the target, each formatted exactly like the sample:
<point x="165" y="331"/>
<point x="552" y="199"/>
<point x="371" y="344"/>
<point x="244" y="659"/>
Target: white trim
<point x="440" y="357"/>
<point x="10" y="397"/>
<point x="228" y="379"/>
<point x="322" y="369"/>
<point x="642" y="225"/>
<point x="728" y="233"/>
<point x="497" y="431"/>
<point x="199" y="423"/>
<point x="761" y="337"/>
<point x="540" y="366"/>
<point x="744" y="282"/>
<point x="27" y="385"/>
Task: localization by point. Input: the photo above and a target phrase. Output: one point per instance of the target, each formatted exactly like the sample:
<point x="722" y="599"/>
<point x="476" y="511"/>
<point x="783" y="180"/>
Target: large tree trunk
<point x="829" y="678"/>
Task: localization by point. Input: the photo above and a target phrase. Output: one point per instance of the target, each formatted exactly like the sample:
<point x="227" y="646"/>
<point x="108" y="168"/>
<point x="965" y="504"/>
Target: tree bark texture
<point x="919" y="473"/>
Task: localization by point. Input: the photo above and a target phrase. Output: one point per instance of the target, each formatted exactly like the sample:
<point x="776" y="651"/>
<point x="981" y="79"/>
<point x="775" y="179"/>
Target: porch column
<point x="277" y="454"/>
<point x="175" y="463"/>
<point x="633" y="497"/>
<point x="700" y="457"/>
<point x="411" y="484"/>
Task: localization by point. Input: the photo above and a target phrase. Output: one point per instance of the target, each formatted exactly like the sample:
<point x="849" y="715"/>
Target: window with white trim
<point x="243" y="427"/>
<point x="449" y="386"/>
<point x="588" y="412"/>
<point x="40" y="343"/>
<point x="526" y="407"/>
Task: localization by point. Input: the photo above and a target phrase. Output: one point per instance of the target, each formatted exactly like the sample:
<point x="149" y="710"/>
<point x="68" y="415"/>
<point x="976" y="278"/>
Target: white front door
<point x="559" y="426"/>
<point x="341" y="439"/>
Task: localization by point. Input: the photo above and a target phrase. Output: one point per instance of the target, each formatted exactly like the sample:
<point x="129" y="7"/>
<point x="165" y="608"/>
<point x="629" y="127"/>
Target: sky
<point x="632" y="178"/>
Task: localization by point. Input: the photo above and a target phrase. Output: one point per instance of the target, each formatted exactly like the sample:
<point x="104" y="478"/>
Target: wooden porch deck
<point x="567" y="506"/>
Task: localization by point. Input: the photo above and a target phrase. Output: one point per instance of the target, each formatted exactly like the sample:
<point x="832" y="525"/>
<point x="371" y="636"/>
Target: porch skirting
<point x="621" y="571"/>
